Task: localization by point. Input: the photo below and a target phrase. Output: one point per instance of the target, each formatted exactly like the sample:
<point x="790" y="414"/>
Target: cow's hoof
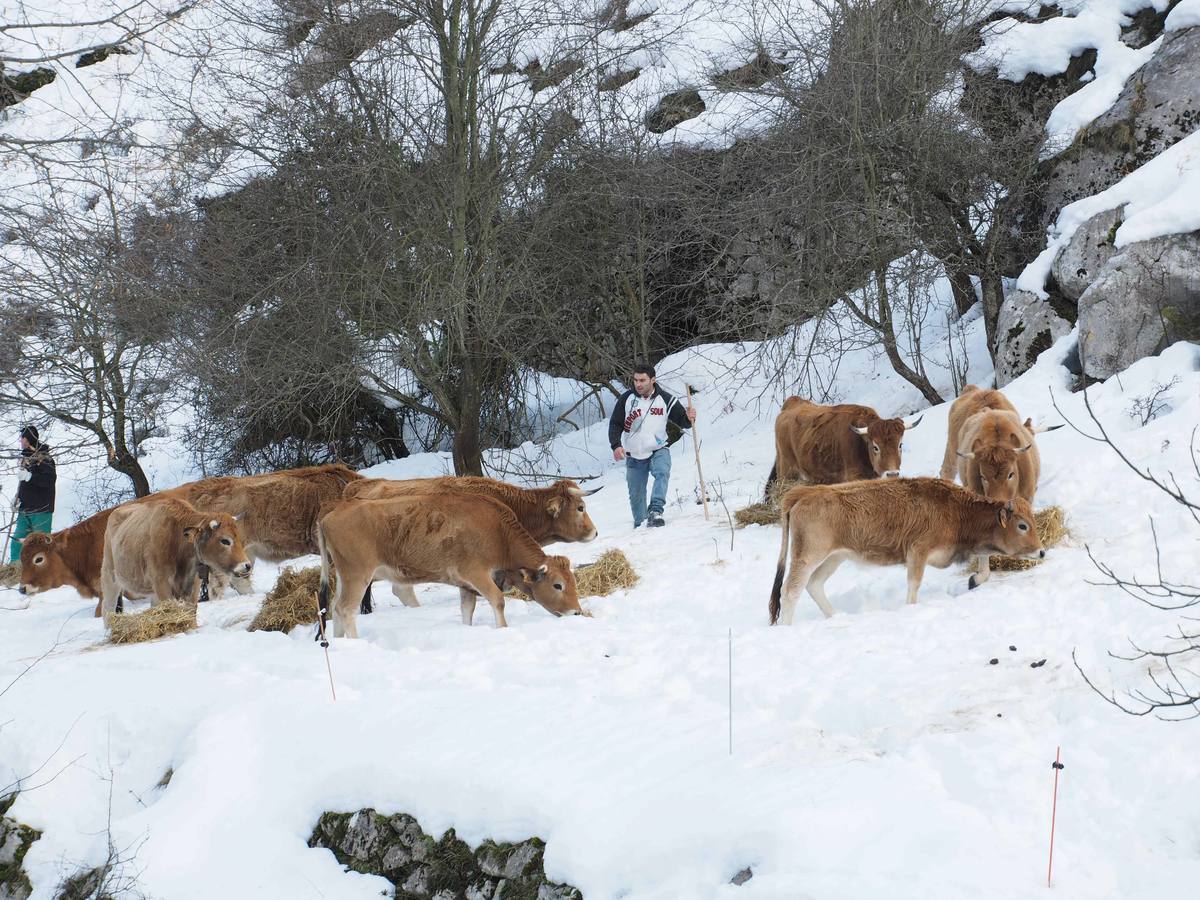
<point x="972" y="583"/>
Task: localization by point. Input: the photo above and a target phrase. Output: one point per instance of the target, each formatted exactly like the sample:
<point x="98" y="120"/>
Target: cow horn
<point x="214" y="524"/>
<point x="1042" y="429"/>
<point x="965" y="455"/>
<point x="858" y="429"/>
<point x="916" y="423"/>
<point x="19" y="540"/>
<point x="240" y="516"/>
<point x="1025" y="449"/>
<point x="543" y="568"/>
<point x="592" y="491"/>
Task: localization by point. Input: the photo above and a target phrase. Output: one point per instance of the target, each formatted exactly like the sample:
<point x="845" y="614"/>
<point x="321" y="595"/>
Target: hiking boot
<point x="655" y="520"/>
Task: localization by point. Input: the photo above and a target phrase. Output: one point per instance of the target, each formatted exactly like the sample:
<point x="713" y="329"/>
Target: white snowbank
<point x="1185" y="15"/>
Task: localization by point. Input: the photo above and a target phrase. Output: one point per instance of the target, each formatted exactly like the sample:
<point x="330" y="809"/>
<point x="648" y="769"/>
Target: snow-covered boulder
<point x="1027" y="326"/>
<point x="1144" y="297"/>
<point x="1158" y="106"/>
<point x="1087" y="253"/>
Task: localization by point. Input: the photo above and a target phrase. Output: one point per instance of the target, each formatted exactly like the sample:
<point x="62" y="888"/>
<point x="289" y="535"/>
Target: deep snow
<point x="875" y="754"/>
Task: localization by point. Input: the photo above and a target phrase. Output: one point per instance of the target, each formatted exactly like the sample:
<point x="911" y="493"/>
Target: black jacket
<point x="676" y="415"/>
<point x="37" y="494"/>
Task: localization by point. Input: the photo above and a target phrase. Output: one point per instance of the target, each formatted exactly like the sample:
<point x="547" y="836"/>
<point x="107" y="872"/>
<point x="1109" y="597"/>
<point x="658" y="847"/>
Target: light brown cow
<point x="549" y="514"/>
<point x="993" y="452"/>
<point x="910" y="521"/>
<point x="832" y="444"/>
<point x="469" y="541"/>
<point x="279" y="521"/>
<point x="154" y="550"/>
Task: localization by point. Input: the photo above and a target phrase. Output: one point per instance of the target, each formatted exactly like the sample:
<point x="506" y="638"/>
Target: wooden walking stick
<point x="696" y="444"/>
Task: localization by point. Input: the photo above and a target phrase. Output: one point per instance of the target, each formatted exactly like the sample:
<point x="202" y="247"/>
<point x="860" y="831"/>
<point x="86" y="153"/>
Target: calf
<point x="549" y="514"/>
<point x="471" y="542"/>
<point x="155" y="550"/>
<point x="834" y="444"/>
<point x="911" y="521"/>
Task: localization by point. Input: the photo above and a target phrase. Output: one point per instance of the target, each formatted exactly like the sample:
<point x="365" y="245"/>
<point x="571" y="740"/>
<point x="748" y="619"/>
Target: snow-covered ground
<point x="877" y="754"/>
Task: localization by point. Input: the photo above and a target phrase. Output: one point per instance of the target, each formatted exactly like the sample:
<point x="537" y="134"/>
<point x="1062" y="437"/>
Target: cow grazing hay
<point x="291" y="602"/>
<point x="160" y="620"/>
<point x="10" y="575"/>
<point x="611" y="572"/>
<point x="1051" y="528"/>
<point x="765" y="512"/>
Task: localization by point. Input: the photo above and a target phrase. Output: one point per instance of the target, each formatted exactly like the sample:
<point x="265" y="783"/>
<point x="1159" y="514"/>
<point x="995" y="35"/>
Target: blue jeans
<point x="637" y="473"/>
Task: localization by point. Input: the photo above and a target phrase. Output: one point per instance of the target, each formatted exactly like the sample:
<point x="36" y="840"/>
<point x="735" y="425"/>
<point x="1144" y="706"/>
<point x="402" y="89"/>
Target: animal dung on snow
<point x="163" y="619"/>
<point x="611" y="572"/>
<point x="291" y="602"/>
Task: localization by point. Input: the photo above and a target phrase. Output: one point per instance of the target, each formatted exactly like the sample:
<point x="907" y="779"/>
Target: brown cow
<point x="833" y="444"/>
<point x="279" y="509"/>
<point x="154" y="550"/>
<point x="992" y="451"/>
<point x="914" y="521"/>
<point x="466" y="540"/>
<point x="549" y="514"/>
<point x="279" y="519"/>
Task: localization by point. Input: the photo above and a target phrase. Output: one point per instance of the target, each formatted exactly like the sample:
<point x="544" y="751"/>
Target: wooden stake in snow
<point x="696" y="444"/>
<point x="325" y="644"/>
<point x="1058" y="766"/>
<point x="731" y="692"/>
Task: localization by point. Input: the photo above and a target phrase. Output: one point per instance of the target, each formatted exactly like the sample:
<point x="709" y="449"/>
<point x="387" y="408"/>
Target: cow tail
<point x="780" y="568"/>
<point x="323" y="593"/>
<point x="771" y="480"/>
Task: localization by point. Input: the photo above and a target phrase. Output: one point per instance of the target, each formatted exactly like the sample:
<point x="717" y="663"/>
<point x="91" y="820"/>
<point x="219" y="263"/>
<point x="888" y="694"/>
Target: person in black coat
<point x="37" y="477"/>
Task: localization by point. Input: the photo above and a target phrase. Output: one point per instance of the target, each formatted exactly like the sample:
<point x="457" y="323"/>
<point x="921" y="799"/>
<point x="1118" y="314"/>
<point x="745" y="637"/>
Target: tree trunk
<point x="993" y="299"/>
<point x="467" y="446"/>
<point x="128" y="466"/>
<point x="962" y="288"/>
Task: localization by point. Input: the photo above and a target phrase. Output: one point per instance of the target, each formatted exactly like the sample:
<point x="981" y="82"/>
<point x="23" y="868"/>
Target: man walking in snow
<point x="637" y="433"/>
<point x="35" y="492"/>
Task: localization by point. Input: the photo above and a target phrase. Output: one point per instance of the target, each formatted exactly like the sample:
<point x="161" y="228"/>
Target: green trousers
<point x="27" y="523"/>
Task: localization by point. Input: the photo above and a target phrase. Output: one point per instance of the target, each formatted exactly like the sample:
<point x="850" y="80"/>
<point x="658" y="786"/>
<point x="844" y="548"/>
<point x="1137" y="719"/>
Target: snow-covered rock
<point x="1144" y="297"/>
<point x="1026" y="327"/>
<point x="1158" y="106"/>
<point x="1088" y="251"/>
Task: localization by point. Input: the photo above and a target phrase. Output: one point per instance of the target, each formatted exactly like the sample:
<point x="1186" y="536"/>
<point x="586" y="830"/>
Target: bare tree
<point x="82" y="326"/>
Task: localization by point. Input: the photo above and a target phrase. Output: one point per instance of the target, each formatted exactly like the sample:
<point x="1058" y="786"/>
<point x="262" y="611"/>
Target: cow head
<point x="219" y="545"/>
<point x="42" y="566"/>
<point x="569" y="514"/>
<point x="552" y="584"/>
<point x="998" y="472"/>
<point x="1014" y="532"/>
<point x="884" y="441"/>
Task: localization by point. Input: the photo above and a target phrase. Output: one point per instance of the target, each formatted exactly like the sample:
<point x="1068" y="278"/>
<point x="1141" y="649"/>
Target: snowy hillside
<point x="874" y="754"/>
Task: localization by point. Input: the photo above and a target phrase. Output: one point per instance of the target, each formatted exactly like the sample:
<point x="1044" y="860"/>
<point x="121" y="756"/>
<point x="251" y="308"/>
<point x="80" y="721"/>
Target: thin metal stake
<point x="731" y="692"/>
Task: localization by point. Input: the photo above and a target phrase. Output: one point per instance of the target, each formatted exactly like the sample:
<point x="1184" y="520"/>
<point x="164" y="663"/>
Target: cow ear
<point x="1004" y="516"/>
<point x="532" y="576"/>
<point x="554" y="506"/>
<point x="189" y="532"/>
<point x="1028" y="424"/>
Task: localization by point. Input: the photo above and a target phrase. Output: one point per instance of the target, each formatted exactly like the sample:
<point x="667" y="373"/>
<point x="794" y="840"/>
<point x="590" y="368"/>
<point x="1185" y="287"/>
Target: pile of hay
<point x="291" y="602"/>
<point x="611" y="572"/>
<point x="1051" y="528"/>
<point x="765" y="512"/>
<point x="10" y="574"/>
<point x="169" y="617"/>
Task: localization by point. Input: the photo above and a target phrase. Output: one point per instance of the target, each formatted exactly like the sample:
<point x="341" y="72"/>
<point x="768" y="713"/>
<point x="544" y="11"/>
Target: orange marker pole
<point x="1054" y="811"/>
